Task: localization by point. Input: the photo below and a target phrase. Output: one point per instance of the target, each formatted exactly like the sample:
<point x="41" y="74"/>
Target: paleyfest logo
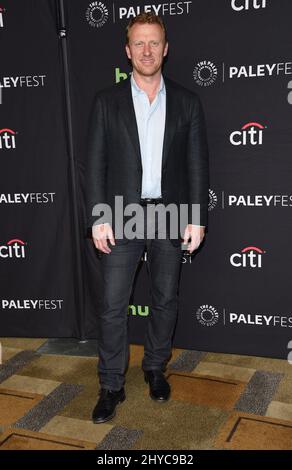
<point x="250" y="134"/>
<point x="207" y="315"/>
<point x="259" y="70"/>
<point x="7" y="139"/>
<point x="162" y="9"/>
<point x="15" y="248"/>
<point x="97" y="14"/>
<point x="205" y="73"/>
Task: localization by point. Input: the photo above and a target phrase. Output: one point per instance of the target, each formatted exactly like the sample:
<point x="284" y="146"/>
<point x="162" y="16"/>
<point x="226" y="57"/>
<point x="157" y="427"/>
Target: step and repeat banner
<point x="236" y="292"/>
<point x="37" y="292"/>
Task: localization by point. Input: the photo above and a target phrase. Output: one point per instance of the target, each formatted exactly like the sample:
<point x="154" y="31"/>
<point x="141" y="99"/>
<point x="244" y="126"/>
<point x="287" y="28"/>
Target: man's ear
<point x="128" y="52"/>
<point x="165" y="50"/>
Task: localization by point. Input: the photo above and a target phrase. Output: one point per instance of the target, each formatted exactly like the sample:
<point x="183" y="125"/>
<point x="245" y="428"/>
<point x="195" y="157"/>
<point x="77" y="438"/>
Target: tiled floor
<point x="48" y="389"/>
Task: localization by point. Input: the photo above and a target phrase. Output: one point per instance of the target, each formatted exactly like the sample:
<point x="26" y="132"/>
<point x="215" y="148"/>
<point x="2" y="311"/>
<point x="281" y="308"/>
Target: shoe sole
<point x="159" y="400"/>
<point x="99" y="421"/>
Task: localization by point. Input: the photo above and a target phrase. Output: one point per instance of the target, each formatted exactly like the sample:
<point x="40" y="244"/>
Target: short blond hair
<point x="145" y="18"/>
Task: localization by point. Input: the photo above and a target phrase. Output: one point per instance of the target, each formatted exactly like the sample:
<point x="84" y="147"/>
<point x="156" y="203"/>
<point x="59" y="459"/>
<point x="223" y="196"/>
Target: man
<point x="147" y="143"/>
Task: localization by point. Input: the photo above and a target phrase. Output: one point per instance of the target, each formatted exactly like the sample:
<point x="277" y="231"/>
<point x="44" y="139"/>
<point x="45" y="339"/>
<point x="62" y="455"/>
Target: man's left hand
<point x="196" y="235"/>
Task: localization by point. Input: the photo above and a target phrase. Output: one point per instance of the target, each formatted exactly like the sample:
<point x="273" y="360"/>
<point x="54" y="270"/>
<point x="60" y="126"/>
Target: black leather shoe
<point x="159" y="388"/>
<point x="105" y="408"/>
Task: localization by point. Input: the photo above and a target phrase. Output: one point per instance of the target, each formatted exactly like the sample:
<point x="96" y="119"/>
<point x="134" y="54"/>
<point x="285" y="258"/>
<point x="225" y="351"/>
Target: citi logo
<point x="239" y="5"/>
<point x="13" y="249"/>
<point x="7" y="139"/>
<point x="250" y="134"/>
<point x="1" y="17"/>
<point x="249" y="257"/>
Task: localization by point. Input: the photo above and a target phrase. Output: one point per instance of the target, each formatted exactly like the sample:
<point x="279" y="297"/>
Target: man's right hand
<point x="100" y="234"/>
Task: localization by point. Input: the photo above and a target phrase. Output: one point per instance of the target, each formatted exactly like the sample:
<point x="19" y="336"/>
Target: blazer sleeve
<point x="96" y="161"/>
<point x="198" y="165"/>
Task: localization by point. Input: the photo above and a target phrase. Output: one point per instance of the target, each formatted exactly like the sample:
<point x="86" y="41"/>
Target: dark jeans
<point x="118" y="273"/>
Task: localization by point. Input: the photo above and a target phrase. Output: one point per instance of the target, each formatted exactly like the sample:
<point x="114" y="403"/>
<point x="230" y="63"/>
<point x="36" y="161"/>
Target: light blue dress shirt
<point x="151" y="123"/>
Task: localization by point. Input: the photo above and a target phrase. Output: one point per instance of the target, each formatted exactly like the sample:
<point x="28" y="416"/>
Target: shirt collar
<point x="136" y="89"/>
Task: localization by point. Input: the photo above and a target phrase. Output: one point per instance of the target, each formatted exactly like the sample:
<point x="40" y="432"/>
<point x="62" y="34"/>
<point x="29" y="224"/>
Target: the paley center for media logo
<point x="97" y="14"/>
<point x="205" y="73"/>
<point x="207" y="315"/>
<point x="250" y="133"/>
<point x="213" y="200"/>
<point x="210" y="316"/>
<point x="7" y="139"/>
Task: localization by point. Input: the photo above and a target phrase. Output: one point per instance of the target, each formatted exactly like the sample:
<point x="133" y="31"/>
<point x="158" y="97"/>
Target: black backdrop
<point x="235" y="293"/>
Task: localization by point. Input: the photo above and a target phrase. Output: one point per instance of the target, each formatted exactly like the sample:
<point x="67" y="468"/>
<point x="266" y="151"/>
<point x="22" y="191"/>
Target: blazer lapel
<point x="170" y="121"/>
<point x="128" y="110"/>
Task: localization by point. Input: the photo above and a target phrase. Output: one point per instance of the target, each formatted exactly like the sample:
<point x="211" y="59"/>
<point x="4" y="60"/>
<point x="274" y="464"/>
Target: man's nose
<point x="146" y="50"/>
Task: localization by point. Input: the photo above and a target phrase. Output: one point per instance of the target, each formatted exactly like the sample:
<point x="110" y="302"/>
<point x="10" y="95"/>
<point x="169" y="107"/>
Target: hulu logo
<point x="120" y="75"/>
<point x="138" y="310"/>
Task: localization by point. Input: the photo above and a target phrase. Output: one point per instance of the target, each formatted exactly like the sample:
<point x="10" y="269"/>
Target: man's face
<point x="146" y="48"/>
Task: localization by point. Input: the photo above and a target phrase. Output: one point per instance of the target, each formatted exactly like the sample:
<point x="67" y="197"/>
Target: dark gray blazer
<point x="114" y="165"/>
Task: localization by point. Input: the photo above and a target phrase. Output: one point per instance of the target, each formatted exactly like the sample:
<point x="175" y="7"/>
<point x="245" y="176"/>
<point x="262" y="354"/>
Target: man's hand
<point x="100" y="234"/>
<point x="196" y="234"/>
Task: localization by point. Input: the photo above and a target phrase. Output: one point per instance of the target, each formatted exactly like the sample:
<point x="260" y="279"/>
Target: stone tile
<point x="23" y="343"/>
<point x="284" y="391"/>
<point x="77" y="429"/>
<point x="15" y="404"/>
<point x="8" y="353"/>
<point x="225" y="371"/>
<point x="244" y="431"/>
<point x="205" y="390"/>
<point x="30" y="384"/>
<point x="20" y="439"/>
<point x="280" y="410"/>
<point x="251" y="362"/>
